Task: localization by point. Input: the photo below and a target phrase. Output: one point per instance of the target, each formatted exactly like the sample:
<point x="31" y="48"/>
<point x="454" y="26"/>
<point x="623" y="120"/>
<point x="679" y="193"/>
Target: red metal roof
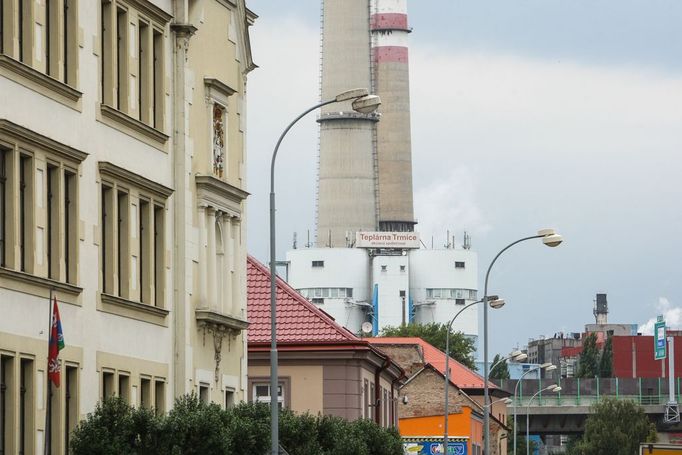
<point x="460" y="376"/>
<point x="298" y="321"/>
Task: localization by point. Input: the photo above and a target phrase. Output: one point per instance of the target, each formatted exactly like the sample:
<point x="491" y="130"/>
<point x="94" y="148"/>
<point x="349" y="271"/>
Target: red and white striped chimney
<point x="389" y="30"/>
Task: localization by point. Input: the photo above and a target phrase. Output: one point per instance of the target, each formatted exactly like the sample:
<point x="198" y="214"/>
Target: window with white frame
<point x="261" y="393"/>
<point x="451" y="293"/>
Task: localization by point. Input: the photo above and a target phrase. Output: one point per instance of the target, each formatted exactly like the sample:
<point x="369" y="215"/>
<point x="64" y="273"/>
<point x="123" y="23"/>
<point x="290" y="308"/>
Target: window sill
<point x="132" y="127"/>
<point x="39" y="82"/>
<point x="133" y="310"/>
<point x="206" y="317"/>
<point x="39" y="286"/>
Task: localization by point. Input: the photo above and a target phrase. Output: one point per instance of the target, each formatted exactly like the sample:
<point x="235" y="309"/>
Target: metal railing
<point x="588" y="391"/>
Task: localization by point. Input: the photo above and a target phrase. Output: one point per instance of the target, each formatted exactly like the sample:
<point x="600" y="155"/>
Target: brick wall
<point x="426" y="396"/>
<point x="409" y="356"/>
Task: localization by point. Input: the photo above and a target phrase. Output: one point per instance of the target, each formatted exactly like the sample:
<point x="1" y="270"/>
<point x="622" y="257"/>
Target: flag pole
<point x="48" y="408"/>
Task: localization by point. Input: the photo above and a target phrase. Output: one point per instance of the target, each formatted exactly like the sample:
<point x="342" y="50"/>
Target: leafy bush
<point x="195" y="427"/>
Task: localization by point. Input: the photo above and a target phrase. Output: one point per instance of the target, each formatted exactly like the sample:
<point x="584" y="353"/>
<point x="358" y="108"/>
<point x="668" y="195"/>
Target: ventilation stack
<point x="601" y="309"/>
<point x="346" y="180"/>
<point x="389" y="29"/>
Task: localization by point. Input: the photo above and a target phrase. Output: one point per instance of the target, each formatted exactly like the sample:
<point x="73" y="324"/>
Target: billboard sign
<point x="430" y="447"/>
<point x="659" y="339"/>
<point x="406" y="240"/>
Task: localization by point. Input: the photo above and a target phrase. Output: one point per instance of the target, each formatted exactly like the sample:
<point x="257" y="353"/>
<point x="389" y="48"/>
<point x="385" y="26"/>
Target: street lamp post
<point x="363" y="103"/>
<point x="545" y="366"/>
<point x="495" y="302"/>
<point x="551" y="388"/>
<point x="550" y="238"/>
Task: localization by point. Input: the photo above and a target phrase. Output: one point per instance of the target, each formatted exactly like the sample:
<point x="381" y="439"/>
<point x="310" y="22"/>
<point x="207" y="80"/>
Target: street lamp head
<point x="507" y="401"/>
<point x="546" y="365"/>
<point x="497" y="303"/>
<point x="550" y="368"/>
<point x="366" y="104"/>
<point x="351" y="94"/>
<point x="556" y="389"/>
<point x="521" y="357"/>
<point x="550" y="237"/>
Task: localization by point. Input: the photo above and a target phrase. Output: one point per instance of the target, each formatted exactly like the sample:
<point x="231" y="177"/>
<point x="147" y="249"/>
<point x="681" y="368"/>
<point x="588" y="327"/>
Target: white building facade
<point x="122" y="151"/>
<point x="388" y="286"/>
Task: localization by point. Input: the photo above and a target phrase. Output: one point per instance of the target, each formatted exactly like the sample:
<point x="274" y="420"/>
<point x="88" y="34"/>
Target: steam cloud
<point x="672" y="316"/>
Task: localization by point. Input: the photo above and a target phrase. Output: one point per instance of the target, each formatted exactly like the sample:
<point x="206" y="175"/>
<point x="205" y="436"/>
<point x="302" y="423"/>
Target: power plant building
<point x="368" y="267"/>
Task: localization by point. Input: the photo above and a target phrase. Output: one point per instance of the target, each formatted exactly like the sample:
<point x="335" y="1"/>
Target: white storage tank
<point x="336" y="280"/>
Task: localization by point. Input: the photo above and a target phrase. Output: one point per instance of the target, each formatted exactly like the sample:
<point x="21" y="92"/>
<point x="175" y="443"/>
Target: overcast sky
<point x="525" y="114"/>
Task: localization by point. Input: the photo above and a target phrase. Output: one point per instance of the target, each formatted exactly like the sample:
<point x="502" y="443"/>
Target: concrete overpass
<point x="565" y="412"/>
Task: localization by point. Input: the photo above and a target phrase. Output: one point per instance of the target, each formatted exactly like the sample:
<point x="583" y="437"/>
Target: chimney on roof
<point x="601" y="309"/>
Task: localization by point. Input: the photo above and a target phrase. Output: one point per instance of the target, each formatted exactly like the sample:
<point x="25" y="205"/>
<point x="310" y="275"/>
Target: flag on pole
<point x="56" y="344"/>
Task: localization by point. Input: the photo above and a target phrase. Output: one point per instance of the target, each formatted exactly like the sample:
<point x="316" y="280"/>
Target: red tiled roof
<point x="460" y="376"/>
<point x="298" y="321"/>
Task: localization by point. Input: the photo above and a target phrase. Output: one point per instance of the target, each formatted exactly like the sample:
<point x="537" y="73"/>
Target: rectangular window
<point x="26" y="405"/>
<point x="3" y="199"/>
<point x="372" y="402"/>
<point x="143" y="251"/>
<point x="106" y="57"/>
<point x="71" y="402"/>
<point x="158" y="255"/>
<point x="6" y="402"/>
<point x="203" y="393"/>
<point x="160" y="396"/>
<point x="459" y="265"/>
<point x="122" y="59"/>
<point x="2" y="43"/>
<point x="459" y="301"/>
<point x="70" y="204"/>
<point x="157" y="80"/>
<point x="26" y="215"/>
<point x="229" y="398"/>
<point x="124" y="387"/>
<point x="365" y="392"/>
<point x="402" y="268"/>
<point x="318" y="263"/>
<point x="107" y="242"/>
<point x="145" y="393"/>
<point x="108" y="384"/>
<point x="123" y="234"/>
<point x="144" y="62"/>
<point x="317" y="300"/>
<point x="52" y="222"/>
<point x="384" y="268"/>
<point x="261" y="393"/>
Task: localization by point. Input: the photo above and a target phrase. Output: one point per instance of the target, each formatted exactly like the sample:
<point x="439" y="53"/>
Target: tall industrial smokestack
<point x="389" y="28"/>
<point x="347" y="173"/>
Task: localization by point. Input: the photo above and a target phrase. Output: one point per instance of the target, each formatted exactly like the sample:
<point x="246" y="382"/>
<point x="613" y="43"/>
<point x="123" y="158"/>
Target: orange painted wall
<point x="461" y="425"/>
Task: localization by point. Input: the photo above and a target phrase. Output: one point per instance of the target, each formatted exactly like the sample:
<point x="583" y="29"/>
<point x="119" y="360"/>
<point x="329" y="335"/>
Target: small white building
<point x="388" y="283"/>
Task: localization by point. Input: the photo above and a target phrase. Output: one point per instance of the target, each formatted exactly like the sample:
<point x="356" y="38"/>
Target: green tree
<point x="500" y="370"/>
<point x="615" y="427"/>
<point x="606" y="361"/>
<point x="195" y="427"/>
<point x="114" y="428"/>
<point x="461" y="347"/>
<point x="589" y="358"/>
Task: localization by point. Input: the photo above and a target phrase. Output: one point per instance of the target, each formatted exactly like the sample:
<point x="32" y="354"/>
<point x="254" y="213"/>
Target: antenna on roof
<point x="295" y="243"/>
